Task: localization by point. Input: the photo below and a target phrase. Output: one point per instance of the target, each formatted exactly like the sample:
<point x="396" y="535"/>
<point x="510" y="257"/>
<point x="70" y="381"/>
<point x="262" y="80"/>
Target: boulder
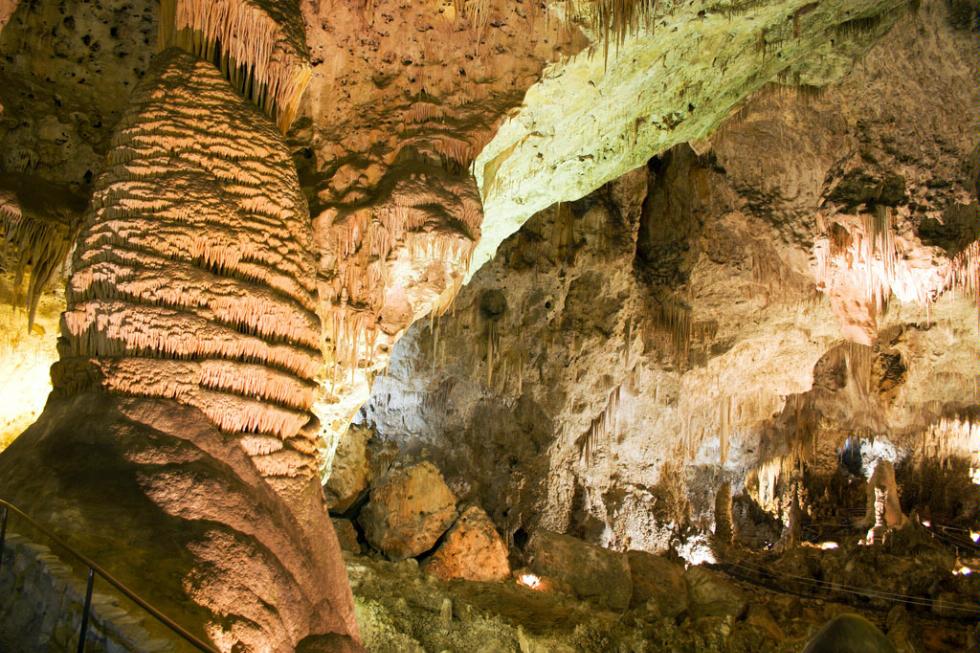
<point x="658" y="581"/>
<point x="711" y="595"/>
<point x="346" y="535"/>
<point x="760" y="617"/>
<point x="408" y="510"/>
<point x="592" y="572"/>
<point x="471" y="550"/>
<point x="849" y="633"/>
<point x="350" y="472"/>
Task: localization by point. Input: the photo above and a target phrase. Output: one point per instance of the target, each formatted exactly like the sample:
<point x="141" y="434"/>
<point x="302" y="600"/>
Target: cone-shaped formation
<point x="259" y="45"/>
<point x="193" y="279"/>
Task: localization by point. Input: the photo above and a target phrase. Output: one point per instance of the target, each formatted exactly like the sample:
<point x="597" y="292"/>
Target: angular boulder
<point x="594" y="573"/>
<point x="350" y="472"/>
<point x="409" y="509"/>
<point x="471" y="550"/>
<point x="711" y="595"/>
<point x="657" y="581"/>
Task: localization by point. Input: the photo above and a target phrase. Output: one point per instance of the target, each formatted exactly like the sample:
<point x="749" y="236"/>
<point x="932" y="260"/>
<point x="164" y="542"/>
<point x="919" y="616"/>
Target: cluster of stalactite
<point x="37" y="235"/>
<point x="385" y="249"/>
<point x="862" y="259"/>
<point x="194" y="278"/>
<point x="259" y="46"/>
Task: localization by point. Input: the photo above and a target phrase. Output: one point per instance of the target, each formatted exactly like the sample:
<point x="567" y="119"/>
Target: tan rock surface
<point x="471" y="550"/>
<point x="593" y="573"/>
<point x="350" y="472"/>
<point x="346" y="535"/>
<point x="409" y="510"/>
<point x="712" y="594"/>
<point x="659" y="581"/>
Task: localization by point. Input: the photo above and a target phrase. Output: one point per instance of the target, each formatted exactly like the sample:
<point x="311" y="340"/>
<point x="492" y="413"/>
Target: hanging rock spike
<point x="260" y="46"/>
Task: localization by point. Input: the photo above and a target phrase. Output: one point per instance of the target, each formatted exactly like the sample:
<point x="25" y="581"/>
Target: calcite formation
<point x="723" y="315"/>
<point x="260" y="46"/>
<point x="191" y="328"/>
<point x="674" y="79"/>
<point x="753" y="262"/>
<point x="193" y="278"/>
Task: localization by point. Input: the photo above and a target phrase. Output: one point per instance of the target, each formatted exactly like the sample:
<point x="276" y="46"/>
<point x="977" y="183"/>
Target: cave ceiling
<point x="430" y="132"/>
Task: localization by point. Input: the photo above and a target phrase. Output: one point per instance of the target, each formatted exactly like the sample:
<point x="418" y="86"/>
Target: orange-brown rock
<point x="471" y="550"/>
<point x="409" y="509"/>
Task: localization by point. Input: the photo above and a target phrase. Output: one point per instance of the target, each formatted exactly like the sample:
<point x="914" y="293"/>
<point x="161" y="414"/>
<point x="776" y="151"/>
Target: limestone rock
<point x="346" y="534"/>
<point x="711" y="595"/>
<point x="849" y="632"/>
<point x="351" y="470"/>
<point x="472" y="550"/>
<point x="659" y="581"/>
<point x="591" y="571"/>
<point x="760" y="617"/>
<point x="409" y="509"/>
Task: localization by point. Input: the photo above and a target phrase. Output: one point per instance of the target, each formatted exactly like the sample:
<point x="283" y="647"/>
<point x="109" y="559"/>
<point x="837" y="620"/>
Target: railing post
<point x="3" y="532"/>
<point x="85" y="610"/>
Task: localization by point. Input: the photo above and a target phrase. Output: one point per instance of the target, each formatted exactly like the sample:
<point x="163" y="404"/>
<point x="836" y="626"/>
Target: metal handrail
<point x="96" y="570"/>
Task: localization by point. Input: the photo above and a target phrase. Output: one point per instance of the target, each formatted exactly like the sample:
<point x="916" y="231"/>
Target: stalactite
<point x="32" y="247"/>
<point x="725" y="430"/>
<point x="603" y="428"/>
<point x="491" y="335"/>
<point x="859" y="26"/>
<point x="948" y="438"/>
<point x="259" y="45"/>
<point x="673" y="316"/>
<point x="768" y="270"/>
<point x="963" y="273"/>
<point x="614" y="20"/>
<point x="860" y="363"/>
<point x="724" y="531"/>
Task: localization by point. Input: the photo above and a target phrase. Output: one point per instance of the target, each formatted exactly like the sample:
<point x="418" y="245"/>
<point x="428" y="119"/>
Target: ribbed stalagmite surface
<point x="189" y="351"/>
<point x="193" y="278"/>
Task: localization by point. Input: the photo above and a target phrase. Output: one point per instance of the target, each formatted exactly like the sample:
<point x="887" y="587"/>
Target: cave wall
<point x="712" y="317"/>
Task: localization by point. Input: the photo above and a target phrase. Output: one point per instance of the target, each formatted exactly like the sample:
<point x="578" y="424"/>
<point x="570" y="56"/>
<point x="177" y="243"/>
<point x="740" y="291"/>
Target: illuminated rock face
<point x="193" y="278"/>
<point x="629" y="353"/>
<point x="402" y="99"/>
<point x="187" y="372"/>
<point x="593" y="119"/>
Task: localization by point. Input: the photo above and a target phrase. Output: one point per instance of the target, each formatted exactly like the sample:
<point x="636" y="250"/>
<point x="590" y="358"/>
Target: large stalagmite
<point x="181" y="410"/>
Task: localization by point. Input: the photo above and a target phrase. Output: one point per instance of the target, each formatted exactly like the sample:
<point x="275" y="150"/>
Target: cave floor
<point x="400" y="608"/>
